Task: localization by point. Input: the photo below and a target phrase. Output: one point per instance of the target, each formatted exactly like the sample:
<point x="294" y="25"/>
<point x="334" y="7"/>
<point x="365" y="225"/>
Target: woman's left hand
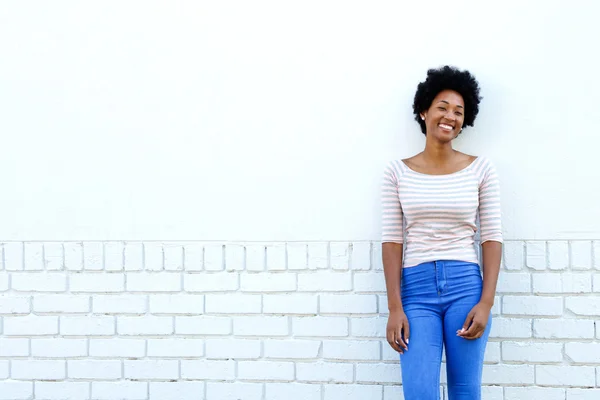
<point x="476" y="322"/>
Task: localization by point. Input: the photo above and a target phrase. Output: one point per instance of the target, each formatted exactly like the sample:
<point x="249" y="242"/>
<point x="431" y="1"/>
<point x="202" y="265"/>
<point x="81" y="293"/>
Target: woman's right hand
<point x="398" y="331"/>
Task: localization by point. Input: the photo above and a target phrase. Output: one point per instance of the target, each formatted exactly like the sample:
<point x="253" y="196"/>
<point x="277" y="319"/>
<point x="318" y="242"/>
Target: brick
<point x="54" y="256"/>
<point x="499" y="374"/>
<point x="3" y="281"/>
<point x="153" y="282"/>
<point x="73" y="256"/>
<point x="213" y="257"/>
<point x="114" y="256"/>
<point x="290" y="304"/>
<point x="492" y="353"/>
<point x="238" y="349"/>
<point x="360" y="257"/>
<point x="14" y="347"/>
<point x="320" y="326"/>
<point x="34" y="256"/>
<point x="4" y="369"/>
<point x="255" y="257"/>
<point x="368" y="327"/>
<point x="208" y="369"/>
<point x="233" y="303"/>
<point x="193" y="257"/>
<point x="596" y="254"/>
<point x="395" y="393"/>
<point x="324" y="281"/>
<point x="562" y="283"/>
<point x="94" y="369"/>
<point x="297" y="256"/>
<point x="117" y="348"/>
<point x="567" y="375"/>
<point x="233" y="391"/>
<point x="14" y="256"/>
<point x="324" y="372"/>
<point x="176" y="390"/>
<point x="15" y="390"/>
<point x="153" y="256"/>
<point x="588" y="353"/>
<point x="276" y="257"/>
<point x="13" y="304"/>
<point x="58" y="348"/>
<point x="146" y="325"/>
<point x="532" y="305"/>
<point x="536" y="255"/>
<point x="87" y="325"/>
<point x="352" y="392"/>
<point x="90" y="282"/>
<point x="235" y="257"/>
<point x="61" y="303"/>
<point x="520" y="393"/>
<point x="119" y="390"/>
<point x="38" y="369"/>
<point x="291" y="349"/>
<point x="596" y="283"/>
<point x="348" y="303"/>
<point x="583" y="394"/>
<point x="351" y="350"/>
<point x="151" y="369"/>
<point x="377" y="257"/>
<point x="176" y="304"/>
<point x="514" y="282"/>
<point x="581" y="255"/>
<point x="39" y="282"/>
<point x="173" y="257"/>
<point x="389" y="354"/>
<point x="260" y="326"/>
<point x="558" y="255"/>
<point x="318" y="256"/>
<point x="203" y="325"/>
<point x="93" y="256"/>
<point x="268" y="282"/>
<point x="286" y="391"/>
<point x="563" y="328"/>
<point x="211" y="282"/>
<point x="119" y="304"/>
<point x="134" y="256"/>
<point x="266" y="370"/>
<point x="176" y="347"/>
<point x="511" y="328"/>
<point x="62" y="390"/>
<point x="514" y="255"/>
<point x="339" y="256"/>
<point x="30" y="325"/>
<point x="532" y="352"/>
<point x="583" y="305"/>
<point x="377" y="373"/>
<point x="369" y="282"/>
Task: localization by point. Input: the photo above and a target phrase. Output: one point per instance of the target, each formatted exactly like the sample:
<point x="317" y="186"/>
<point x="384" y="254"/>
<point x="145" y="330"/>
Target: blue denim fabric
<point x="436" y="297"/>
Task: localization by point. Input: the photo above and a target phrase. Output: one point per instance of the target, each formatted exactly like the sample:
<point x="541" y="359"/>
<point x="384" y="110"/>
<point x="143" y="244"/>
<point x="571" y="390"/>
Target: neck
<point x="438" y="153"/>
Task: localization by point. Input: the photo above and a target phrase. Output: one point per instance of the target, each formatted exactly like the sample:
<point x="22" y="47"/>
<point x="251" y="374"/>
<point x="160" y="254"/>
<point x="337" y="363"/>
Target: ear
<point x="423" y="116"/>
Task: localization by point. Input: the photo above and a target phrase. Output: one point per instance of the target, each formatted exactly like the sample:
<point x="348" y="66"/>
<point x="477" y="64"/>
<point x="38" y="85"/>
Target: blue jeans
<point x="436" y="297"/>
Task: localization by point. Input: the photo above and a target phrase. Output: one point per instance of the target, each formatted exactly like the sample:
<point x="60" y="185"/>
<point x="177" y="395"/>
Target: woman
<point x="436" y="295"/>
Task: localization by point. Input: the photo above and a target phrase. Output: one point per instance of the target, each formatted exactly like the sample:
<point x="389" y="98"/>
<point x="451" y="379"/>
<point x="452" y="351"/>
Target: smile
<point x="446" y="127"/>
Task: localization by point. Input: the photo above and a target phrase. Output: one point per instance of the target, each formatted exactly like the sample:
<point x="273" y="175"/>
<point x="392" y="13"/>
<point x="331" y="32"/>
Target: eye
<point x="458" y="113"/>
<point x="442" y="108"/>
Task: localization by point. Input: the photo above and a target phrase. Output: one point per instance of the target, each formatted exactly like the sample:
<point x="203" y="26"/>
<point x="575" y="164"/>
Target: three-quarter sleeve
<point x="489" y="204"/>
<point x="391" y="209"/>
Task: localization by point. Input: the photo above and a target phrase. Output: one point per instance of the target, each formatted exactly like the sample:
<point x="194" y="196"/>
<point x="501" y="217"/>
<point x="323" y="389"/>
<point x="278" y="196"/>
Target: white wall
<point x="273" y="120"/>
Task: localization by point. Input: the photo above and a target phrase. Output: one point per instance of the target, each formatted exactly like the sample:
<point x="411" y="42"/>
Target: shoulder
<point x="394" y="169"/>
<point x="483" y="168"/>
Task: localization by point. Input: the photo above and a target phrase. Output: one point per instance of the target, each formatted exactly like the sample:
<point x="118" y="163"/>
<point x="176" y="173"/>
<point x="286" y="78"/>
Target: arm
<point x="491" y="247"/>
<point x="392" y="269"/>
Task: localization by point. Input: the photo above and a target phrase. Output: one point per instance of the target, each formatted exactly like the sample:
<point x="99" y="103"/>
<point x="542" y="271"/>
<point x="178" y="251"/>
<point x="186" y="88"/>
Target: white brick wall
<point x="268" y="321"/>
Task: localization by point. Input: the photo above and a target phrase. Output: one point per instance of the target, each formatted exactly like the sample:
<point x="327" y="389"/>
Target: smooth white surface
<point x="273" y="121"/>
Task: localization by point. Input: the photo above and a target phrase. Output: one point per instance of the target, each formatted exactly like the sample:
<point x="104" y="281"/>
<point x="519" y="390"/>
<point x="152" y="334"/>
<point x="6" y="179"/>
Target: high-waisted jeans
<point x="436" y="297"/>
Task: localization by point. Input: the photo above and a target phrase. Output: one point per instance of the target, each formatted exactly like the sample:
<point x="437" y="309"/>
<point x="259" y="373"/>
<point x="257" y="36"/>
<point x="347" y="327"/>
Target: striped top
<point x="440" y="211"/>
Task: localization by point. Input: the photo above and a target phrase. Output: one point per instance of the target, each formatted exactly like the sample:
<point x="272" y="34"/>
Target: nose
<point x="450" y="116"/>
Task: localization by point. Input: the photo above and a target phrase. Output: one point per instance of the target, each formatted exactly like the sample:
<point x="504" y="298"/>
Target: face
<point x="445" y="116"/>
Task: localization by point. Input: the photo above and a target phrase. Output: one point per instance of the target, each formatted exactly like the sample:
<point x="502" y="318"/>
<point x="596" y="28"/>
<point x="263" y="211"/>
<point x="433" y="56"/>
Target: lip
<point x="446" y="127"/>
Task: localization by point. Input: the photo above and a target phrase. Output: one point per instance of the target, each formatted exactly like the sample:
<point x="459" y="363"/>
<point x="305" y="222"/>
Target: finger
<point x="474" y="330"/>
<point x="468" y="321"/>
<point x="400" y="340"/>
<point x="406" y="329"/>
<point x="392" y="341"/>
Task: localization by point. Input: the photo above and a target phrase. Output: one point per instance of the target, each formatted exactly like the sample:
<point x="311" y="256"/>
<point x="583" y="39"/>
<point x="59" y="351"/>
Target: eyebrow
<point x="444" y="101"/>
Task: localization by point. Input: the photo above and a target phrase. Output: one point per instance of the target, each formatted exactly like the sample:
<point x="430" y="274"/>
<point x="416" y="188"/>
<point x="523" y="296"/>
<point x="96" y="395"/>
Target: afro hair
<point x="447" y="78"/>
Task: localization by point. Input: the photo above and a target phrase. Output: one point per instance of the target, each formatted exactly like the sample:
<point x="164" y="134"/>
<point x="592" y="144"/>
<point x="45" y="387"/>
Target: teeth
<point x="446" y="127"/>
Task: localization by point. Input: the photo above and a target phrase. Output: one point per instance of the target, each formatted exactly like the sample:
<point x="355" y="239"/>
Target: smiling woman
<point x="436" y="294"/>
